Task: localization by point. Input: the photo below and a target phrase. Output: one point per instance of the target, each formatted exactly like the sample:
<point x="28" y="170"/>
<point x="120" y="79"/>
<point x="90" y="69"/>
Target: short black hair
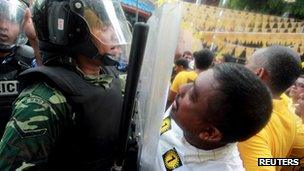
<point x="229" y="58"/>
<point x="203" y="59"/>
<point x="182" y="62"/>
<point x="283" y="65"/>
<point x="243" y="104"/>
<point x="187" y="53"/>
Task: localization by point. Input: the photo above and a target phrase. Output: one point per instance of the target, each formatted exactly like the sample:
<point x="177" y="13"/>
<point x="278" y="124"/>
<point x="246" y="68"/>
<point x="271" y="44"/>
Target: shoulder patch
<point x="35" y="100"/>
<point x="166" y="125"/>
<point x="172" y="160"/>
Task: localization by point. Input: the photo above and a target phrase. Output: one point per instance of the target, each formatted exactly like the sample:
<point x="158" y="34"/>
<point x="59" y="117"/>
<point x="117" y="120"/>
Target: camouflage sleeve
<point x="39" y="115"/>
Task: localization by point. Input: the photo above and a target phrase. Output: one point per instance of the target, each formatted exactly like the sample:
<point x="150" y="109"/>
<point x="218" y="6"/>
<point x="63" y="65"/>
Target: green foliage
<point x="272" y="7"/>
<point x="297" y="10"/>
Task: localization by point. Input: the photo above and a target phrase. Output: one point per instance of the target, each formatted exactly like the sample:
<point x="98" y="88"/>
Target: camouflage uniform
<point x="40" y="114"/>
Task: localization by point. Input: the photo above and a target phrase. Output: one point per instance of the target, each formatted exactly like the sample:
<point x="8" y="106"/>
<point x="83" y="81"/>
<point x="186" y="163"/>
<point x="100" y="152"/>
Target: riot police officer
<point x="68" y="116"/>
<point x="15" y="56"/>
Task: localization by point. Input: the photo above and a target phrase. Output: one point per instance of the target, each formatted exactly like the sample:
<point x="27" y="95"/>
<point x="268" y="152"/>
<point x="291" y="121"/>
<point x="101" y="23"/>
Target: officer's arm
<point x="31" y="132"/>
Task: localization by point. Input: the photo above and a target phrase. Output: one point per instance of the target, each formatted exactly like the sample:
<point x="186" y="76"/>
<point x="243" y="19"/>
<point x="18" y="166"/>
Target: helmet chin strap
<point x="6" y="48"/>
<point x="108" y="60"/>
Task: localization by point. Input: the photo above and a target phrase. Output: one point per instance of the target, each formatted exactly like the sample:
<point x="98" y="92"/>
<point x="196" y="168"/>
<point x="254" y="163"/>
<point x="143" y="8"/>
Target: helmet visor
<point x="11" y="22"/>
<point x="105" y="20"/>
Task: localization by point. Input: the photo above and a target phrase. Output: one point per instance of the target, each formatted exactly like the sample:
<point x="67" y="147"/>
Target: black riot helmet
<point x="87" y="27"/>
<point x="11" y="24"/>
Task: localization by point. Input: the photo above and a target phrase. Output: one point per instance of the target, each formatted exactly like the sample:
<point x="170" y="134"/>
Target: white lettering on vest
<point x="8" y="88"/>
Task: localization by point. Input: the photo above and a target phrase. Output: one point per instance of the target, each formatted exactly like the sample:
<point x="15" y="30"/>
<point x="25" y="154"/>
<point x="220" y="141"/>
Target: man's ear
<point x="211" y="134"/>
<point x="262" y="73"/>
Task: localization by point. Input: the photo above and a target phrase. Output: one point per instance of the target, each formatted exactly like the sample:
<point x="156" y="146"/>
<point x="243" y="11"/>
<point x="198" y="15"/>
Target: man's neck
<point x="276" y="96"/>
<point x="203" y="145"/>
<point x="198" y="71"/>
<point x="88" y="66"/>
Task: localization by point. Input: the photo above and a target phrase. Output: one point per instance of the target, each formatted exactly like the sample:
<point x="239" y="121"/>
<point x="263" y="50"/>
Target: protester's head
<point x="229" y="58"/>
<point x="297" y="89"/>
<point x="188" y="55"/>
<point x="181" y="65"/>
<point x="225" y="104"/>
<point x="89" y="28"/>
<point x="203" y="59"/>
<point x="12" y="14"/>
<point x="277" y="66"/>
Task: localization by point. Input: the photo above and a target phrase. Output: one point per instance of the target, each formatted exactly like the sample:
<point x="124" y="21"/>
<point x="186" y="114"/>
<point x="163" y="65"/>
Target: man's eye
<point x="191" y="95"/>
<point x="192" y="98"/>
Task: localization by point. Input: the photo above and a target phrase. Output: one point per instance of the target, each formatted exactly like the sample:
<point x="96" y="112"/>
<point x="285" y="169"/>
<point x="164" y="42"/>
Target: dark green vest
<point x="90" y="139"/>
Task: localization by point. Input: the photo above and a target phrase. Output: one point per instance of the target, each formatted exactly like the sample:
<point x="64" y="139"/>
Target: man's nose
<point x="3" y="25"/>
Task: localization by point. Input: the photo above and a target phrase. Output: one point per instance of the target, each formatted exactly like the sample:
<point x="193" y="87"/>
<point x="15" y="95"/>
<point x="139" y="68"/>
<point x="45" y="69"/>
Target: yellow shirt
<point x="181" y="78"/>
<point x="296" y="152"/>
<point x="283" y="133"/>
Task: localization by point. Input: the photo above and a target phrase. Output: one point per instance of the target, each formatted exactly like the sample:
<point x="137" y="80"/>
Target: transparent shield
<point x="155" y="78"/>
<point x="228" y="27"/>
<point x="105" y="20"/>
<point x="11" y="23"/>
<point x="120" y="53"/>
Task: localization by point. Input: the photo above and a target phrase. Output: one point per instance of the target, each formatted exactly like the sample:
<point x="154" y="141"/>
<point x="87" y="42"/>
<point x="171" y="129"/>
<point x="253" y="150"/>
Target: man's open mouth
<point x="3" y="37"/>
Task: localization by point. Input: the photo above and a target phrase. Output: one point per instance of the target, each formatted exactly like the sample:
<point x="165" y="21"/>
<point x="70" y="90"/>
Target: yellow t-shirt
<point x="283" y="132"/>
<point x="181" y="78"/>
<point x="296" y="152"/>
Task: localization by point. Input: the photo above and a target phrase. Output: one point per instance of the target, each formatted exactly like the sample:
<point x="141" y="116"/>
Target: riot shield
<point x="154" y="78"/>
<point x="228" y="27"/>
